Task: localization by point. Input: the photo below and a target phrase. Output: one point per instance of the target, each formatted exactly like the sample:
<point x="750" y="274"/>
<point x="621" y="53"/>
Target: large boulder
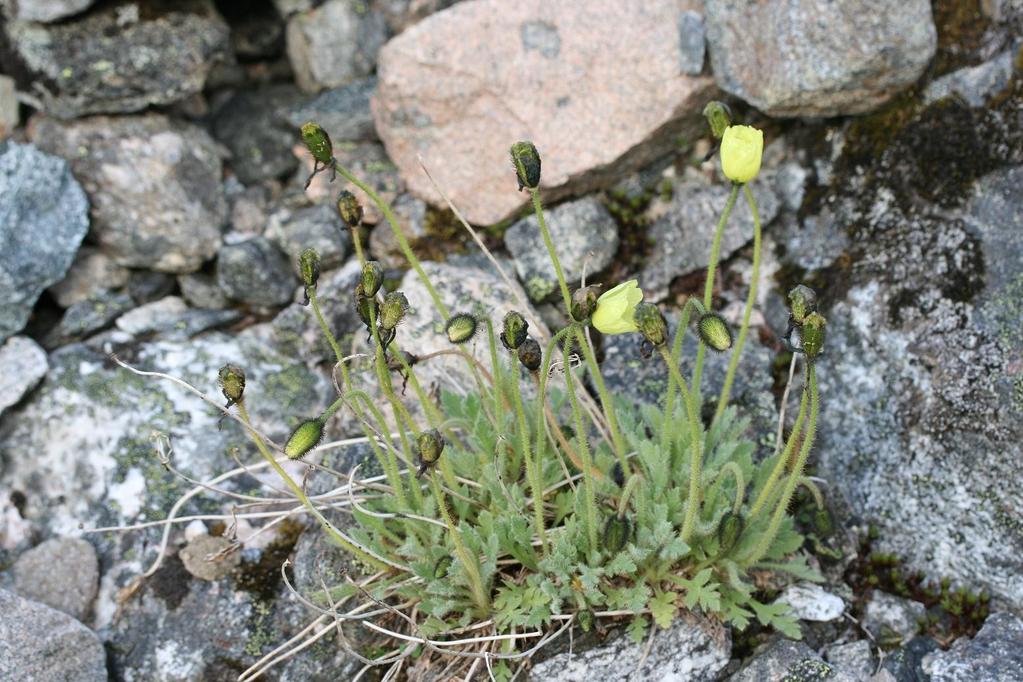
<point x="598" y="86"/>
<point x="118" y="59"/>
<point x="155" y="186"/>
<point x="45" y="216"/>
<point x="817" y="57"/>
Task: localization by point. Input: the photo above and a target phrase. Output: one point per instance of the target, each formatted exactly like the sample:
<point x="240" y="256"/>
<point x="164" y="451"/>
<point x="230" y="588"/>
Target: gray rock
<point x="682" y="237"/>
<point x="995" y="654"/>
<point x="155" y="186"/>
<point x="887" y="616"/>
<point x="93" y="272"/>
<point x="256" y="273"/>
<point x="43" y="218"/>
<point x="118" y="59"/>
<point x="9" y="114"/>
<point x="209" y="557"/>
<point x="61" y="573"/>
<point x="201" y="291"/>
<point x="784" y="659"/>
<point x="43" y="10"/>
<point x="318" y="227"/>
<point x="44" y="645"/>
<point x="812" y="602"/>
<point x="692" y="42"/>
<point x="855" y="659"/>
<point x="170" y="317"/>
<point x="693" y="648"/>
<point x="145" y="286"/>
<point x="907" y="663"/>
<point x="249" y="206"/>
<point x="974" y="83"/>
<point x="252" y="125"/>
<point x="815" y="242"/>
<point x="383" y="244"/>
<point x="818" y="58"/>
<point x="22" y="366"/>
<point x="334" y="44"/>
<point x="922" y="357"/>
<point x="343" y="112"/>
<point x="87" y="317"/>
<point x="400" y="14"/>
<point x="585" y="237"/>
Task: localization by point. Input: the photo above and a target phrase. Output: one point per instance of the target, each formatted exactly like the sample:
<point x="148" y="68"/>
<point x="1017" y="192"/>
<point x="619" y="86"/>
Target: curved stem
<point x="708" y="287"/>
<point x="584" y="449"/>
<point x="538" y="207"/>
<point x="676" y="356"/>
<point x="695" y="460"/>
<point x="733" y="363"/>
<point x="779" y="465"/>
<point x="533" y="472"/>
<point x="605" y="398"/>
<point x="398" y="234"/>
<point x="764" y="545"/>
<point x="469" y="562"/>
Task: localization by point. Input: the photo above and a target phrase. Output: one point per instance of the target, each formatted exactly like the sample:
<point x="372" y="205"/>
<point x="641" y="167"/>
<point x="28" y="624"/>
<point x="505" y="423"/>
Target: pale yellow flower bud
<point x="616" y="308"/>
<point x="741" y="149"/>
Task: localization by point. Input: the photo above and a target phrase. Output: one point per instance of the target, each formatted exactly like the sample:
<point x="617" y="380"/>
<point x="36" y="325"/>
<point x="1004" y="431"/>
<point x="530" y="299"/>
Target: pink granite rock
<point x="600" y="87"/>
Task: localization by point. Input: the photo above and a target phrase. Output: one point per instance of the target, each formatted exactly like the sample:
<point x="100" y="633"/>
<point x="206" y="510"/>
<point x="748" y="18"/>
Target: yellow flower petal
<point x="741" y="150"/>
<point x="616" y="307"/>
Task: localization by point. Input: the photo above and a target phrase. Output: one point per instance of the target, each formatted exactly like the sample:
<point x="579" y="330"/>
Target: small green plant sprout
<point x="532" y="499"/>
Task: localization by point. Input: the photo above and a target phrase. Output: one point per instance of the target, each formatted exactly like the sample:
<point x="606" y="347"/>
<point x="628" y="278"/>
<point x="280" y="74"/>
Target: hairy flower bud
<point x="318" y="143"/>
<point x="461" y="328"/>
<point x="372" y="278"/>
<point x="232" y="383"/>
<point x="730" y="530"/>
<point x="651" y="323"/>
<point x="366" y="306"/>
<point x="309" y="265"/>
<point x="719" y="117"/>
<point x="802" y="302"/>
<point x="741" y="151"/>
<point x="584" y="302"/>
<point x="304" y="438"/>
<point x="616" y="308"/>
<point x="617" y="531"/>
<point x="430" y="445"/>
<point x="393" y="310"/>
<point x="514" y="330"/>
<point x="813" y="335"/>
<point x="349" y="208"/>
<point x="715" y="332"/>
<point x="618" y="474"/>
<point x="526" y="160"/>
<point x="530" y="354"/>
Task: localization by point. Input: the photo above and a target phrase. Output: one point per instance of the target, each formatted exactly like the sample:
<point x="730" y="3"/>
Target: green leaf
<point x="637" y="629"/>
<point x="776" y="615"/>
<point x="662" y="608"/>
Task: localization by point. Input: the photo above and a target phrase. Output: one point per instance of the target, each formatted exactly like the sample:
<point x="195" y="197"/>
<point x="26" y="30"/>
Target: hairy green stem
<point x="538" y="208"/>
<point x="779" y="465"/>
<point x="708" y="287"/>
<point x="695" y="459"/>
<point x="469" y="563"/>
<point x="532" y="467"/>
<point x="733" y="362"/>
<point x="605" y="398"/>
<point x="587" y="460"/>
<point x="767" y="539"/>
<point x="676" y="356"/>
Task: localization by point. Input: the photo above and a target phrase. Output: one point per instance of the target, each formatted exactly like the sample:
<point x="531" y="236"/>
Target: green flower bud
<point x="461" y="328"/>
<point x="584" y="302"/>
<point x="366" y="306"/>
<point x="318" y="143"/>
<point x="719" y="117"/>
<point x="813" y="335"/>
<point x="730" y="530"/>
<point x="526" y="160"/>
<point x="530" y="354"/>
<point x="372" y="278"/>
<point x="304" y="438"/>
<point x="309" y="264"/>
<point x="430" y="445"/>
<point x="393" y="310"/>
<point x="441" y="568"/>
<point x="349" y="208"/>
<point x="232" y="383"/>
<point x="651" y="323"/>
<point x="715" y="332"/>
<point x="617" y="531"/>
<point x="618" y="474"/>
<point x="514" y="331"/>
<point x="802" y="302"/>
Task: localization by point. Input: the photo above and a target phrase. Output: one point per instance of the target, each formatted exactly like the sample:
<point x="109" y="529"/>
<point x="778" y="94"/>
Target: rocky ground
<point x="152" y="204"/>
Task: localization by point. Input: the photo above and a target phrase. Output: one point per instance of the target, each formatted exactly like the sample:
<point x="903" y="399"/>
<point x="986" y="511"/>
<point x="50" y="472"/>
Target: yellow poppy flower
<point x="615" y="309"/>
<point x="741" y="149"/>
